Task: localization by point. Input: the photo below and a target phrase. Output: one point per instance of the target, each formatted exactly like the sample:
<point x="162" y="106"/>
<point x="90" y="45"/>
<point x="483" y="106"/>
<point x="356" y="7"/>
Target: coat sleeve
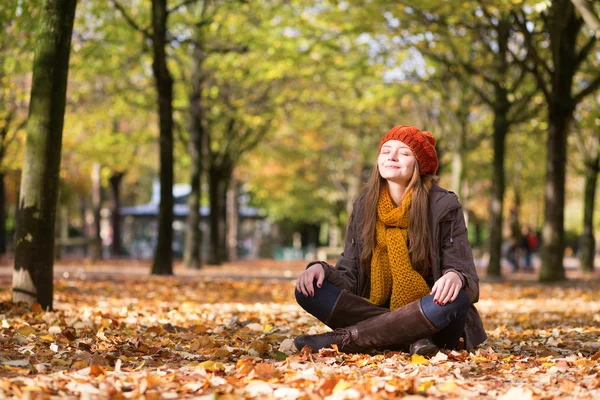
<point x="456" y="253"/>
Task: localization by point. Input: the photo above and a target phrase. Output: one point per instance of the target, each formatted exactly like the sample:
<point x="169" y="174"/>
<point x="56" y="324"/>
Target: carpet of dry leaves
<point x="215" y="337"/>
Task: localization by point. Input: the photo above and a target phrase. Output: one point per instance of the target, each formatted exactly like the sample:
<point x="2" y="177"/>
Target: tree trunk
<point x="193" y="240"/>
<point x="223" y="189"/>
<point x="191" y="256"/>
<point x="232" y="222"/>
<point x="116" y="248"/>
<point x="565" y="27"/>
<point x="36" y="215"/>
<point x="515" y="226"/>
<point x="214" y="179"/>
<point x="501" y="127"/>
<point x="163" y="256"/>
<point x="96" y="252"/>
<point x="82" y="215"/>
<point x="588" y="242"/>
<point x="2" y="215"/>
<point x="457" y="156"/>
<point x="552" y="253"/>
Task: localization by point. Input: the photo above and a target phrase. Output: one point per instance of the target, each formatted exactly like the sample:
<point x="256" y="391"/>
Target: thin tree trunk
<point x="191" y="254"/>
<point x="515" y="225"/>
<point x="163" y="256"/>
<point x="214" y="179"/>
<point x="224" y="185"/>
<point x="193" y="240"/>
<point x="588" y="242"/>
<point x="62" y="231"/>
<point x="501" y="127"/>
<point x="2" y="215"/>
<point x="96" y="252"/>
<point x="232" y="221"/>
<point x="116" y="247"/>
<point x="457" y="156"/>
<point x="552" y="268"/>
<point x="82" y="213"/>
<point x="36" y="215"/>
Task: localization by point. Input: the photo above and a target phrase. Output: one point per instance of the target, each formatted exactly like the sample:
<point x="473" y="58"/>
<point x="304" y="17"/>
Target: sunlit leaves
<point x="218" y="337"/>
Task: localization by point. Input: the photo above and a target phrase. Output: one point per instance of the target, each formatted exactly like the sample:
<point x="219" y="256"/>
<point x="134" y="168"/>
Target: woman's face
<point x="396" y="162"/>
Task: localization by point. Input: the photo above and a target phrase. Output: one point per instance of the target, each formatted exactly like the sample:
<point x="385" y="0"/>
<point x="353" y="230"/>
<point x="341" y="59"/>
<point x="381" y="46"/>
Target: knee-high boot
<point x="350" y="309"/>
<point x="403" y="326"/>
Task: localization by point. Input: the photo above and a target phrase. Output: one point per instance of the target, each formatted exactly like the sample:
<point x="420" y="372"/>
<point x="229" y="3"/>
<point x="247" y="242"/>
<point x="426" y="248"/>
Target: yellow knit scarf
<point x="391" y="270"/>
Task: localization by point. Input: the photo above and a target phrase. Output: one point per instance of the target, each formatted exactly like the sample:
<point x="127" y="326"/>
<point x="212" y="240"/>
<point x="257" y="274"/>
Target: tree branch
<point x="468" y="68"/>
<point x="531" y="49"/>
<point x="536" y="74"/>
<point x="182" y="4"/>
<point x="592" y="87"/>
<point x="131" y="21"/>
<point x="523" y="112"/>
<point x="589" y="16"/>
<point x="585" y="50"/>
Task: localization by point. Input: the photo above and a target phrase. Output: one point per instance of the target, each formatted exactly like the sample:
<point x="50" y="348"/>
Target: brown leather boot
<point x="424" y="347"/>
<point x="350" y="309"/>
<point x="401" y="326"/>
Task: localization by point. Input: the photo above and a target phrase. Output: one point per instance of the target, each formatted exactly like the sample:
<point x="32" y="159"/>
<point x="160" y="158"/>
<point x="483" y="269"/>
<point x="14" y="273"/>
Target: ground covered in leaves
<point x="209" y="338"/>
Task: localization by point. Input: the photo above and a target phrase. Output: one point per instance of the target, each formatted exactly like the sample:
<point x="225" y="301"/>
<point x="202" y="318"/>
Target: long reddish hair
<point x="419" y="234"/>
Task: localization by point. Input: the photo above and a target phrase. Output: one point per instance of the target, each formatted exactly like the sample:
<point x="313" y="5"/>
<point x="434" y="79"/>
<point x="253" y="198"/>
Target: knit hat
<point x="422" y="144"/>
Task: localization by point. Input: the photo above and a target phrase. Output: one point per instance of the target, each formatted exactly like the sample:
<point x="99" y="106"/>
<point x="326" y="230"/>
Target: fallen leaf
<point x="96" y="370"/>
<point x="326" y="388"/>
<point x="25" y="330"/>
<point x="438" y="357"/>
<point x="418" y="359"/>
<point x="212" y="366"/>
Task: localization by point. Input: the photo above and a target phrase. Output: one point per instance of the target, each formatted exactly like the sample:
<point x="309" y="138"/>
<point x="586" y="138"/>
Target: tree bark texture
<point x="501" y="127"/>
<point x="587" y="247"/>
<point x="561" y="105"/>
<point x="232" y="221"/>
<point x="96" y="246"/>
<point x="193" y="239"/>
<point x="163" y="256"/>
<point x="116" y="247"/>
<point x="36" y="214"/>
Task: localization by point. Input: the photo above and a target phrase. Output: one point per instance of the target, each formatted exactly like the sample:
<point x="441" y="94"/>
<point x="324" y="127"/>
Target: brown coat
<point x="450" y="251"/>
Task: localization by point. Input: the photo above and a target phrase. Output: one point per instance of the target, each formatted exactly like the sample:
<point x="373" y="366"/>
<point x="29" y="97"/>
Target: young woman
<point x="406" y="276"/>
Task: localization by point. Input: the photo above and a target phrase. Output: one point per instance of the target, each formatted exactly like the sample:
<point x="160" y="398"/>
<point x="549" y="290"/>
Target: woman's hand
<point x="305" y="281"/>
<point x="446" y="288"/>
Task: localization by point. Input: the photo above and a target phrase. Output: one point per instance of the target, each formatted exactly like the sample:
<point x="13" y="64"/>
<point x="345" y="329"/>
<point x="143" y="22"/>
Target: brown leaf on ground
<point x="184" y="337"/>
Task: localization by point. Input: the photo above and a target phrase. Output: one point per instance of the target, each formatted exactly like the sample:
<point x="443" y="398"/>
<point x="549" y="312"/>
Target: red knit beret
<point x="422" y="144"/>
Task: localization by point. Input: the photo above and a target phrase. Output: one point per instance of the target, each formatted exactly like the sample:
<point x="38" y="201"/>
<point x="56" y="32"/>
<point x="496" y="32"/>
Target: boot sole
<point x="427" y="350"/>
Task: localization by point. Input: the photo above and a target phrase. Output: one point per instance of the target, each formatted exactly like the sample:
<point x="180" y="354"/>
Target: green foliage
<point x="296" y="94"/>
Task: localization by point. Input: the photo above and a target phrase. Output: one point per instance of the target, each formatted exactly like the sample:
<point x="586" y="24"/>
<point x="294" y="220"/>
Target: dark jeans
<point x="450" y="319"/>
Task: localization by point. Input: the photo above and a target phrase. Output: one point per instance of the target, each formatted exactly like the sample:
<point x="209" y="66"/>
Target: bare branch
<point x="529" y="43"/>
<point x="522" y="110"/>
<point x="131" y="21"/>
<point x="536" y="74"/>
<point x="585" y="50"/>
<point x="592" y="87"/>
<point x="468" y="68"/>
<point x="589" y="16"/>
<point x="184" y="3"/>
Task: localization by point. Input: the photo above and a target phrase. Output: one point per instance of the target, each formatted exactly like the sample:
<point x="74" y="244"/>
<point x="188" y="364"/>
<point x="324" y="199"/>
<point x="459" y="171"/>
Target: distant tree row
<point x="290" y="98"/>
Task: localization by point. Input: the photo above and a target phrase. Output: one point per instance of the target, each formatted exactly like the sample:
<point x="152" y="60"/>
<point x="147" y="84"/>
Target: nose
<point x="394" y="155"/>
